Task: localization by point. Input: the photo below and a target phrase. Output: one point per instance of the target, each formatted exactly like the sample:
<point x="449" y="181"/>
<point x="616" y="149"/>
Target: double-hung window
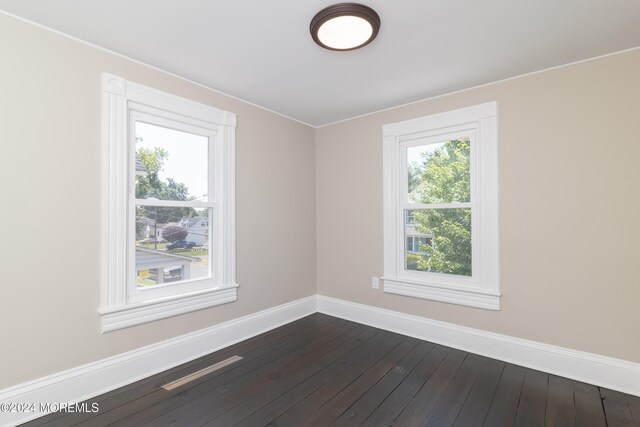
<point x="440" y="207"/>
<point x="168" y="197"/>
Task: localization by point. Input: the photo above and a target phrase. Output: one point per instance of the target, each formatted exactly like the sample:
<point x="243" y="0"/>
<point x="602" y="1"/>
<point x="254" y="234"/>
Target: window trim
<point x="483" y="289"/>
<point x="121" y="100"/>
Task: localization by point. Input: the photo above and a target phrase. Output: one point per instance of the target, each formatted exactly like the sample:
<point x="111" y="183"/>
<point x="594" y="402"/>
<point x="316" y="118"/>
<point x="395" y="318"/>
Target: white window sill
<point x="471" y="297"/>
<point x="114" y="318"/>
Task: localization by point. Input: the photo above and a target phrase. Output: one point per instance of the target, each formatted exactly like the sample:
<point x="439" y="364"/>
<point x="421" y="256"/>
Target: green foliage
<point x="415" y="175"/>
<point x="151" y="186"/>
<point x="443" y="177"/>
<point x="412" y="261"/>
<point x="153" y="160"/>
<point x="197" y="252"/>
<point x="450" y="251"/>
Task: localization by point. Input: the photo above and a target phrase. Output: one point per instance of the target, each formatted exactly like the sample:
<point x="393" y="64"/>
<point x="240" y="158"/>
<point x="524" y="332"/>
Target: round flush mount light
<point x="345" y="26"/>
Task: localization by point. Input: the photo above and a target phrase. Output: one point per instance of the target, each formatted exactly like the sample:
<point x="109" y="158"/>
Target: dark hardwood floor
<point x="321" y="371"/>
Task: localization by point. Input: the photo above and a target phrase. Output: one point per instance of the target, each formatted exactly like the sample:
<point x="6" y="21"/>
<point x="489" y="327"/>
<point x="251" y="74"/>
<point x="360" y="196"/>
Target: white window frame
<point x="482" y="289"/>
<point x="122" y="303"/>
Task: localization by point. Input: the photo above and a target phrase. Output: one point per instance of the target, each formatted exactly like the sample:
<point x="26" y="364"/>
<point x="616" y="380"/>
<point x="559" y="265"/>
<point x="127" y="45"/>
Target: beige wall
<point x="50" y="180"/>
<point x="569" y="149"/>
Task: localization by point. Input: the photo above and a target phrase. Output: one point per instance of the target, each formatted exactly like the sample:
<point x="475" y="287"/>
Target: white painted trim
<point x="148" y="311"/>
<point x="122" y="304"/>
<point x="84" y="382"/>
<point x="479" y="122"/>
<point x="472" y="297"/>
<point x="90" y="380"/>
<point x="590" y="368"/>
<point x="434" y="122"/>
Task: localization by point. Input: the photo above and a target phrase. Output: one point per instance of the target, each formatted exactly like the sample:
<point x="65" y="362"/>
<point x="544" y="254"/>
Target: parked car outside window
<point x="180" y="244"/>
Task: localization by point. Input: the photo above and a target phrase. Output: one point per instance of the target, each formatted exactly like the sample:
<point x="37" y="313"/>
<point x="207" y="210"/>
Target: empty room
<point x="307" y="213"/>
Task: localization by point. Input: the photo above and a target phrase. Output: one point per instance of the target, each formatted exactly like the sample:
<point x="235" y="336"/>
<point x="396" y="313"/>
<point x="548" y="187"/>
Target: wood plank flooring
<point x="321" y="371"/>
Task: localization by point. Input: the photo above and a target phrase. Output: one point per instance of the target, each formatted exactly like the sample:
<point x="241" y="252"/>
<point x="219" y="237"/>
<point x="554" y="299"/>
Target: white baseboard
<point x="90" y="380"/>
<point x="84" y="382"/>
<point x="590" y="368"/>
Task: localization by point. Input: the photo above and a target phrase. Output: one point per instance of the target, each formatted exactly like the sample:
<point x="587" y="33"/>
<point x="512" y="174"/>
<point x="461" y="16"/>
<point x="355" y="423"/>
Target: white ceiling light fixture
<point x="345" y="26"/>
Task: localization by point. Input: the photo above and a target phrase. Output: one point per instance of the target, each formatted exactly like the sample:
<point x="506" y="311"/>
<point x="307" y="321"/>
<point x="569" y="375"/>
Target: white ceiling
<point x="261" y="51"/>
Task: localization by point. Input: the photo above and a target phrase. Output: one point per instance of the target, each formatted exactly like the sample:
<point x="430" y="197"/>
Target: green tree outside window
<point x="443" y="176"/>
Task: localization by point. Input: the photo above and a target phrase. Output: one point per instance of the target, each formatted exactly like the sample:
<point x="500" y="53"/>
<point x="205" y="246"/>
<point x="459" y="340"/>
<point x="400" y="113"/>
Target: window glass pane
<point x="172" y="244"/>
<point x="409" y="218"/>
<point x="442" y="241"/>
<point x="170" y="164"/>
<point x="439" y="173"/>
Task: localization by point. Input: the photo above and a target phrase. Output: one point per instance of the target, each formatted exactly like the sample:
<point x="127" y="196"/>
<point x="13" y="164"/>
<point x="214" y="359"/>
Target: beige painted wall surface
<point x="569" y="148"/>
<point x="50" y="176"/>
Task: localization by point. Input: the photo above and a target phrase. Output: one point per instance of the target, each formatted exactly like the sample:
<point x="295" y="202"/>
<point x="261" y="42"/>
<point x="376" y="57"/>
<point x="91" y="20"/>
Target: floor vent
<point x="202" y="372"/>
